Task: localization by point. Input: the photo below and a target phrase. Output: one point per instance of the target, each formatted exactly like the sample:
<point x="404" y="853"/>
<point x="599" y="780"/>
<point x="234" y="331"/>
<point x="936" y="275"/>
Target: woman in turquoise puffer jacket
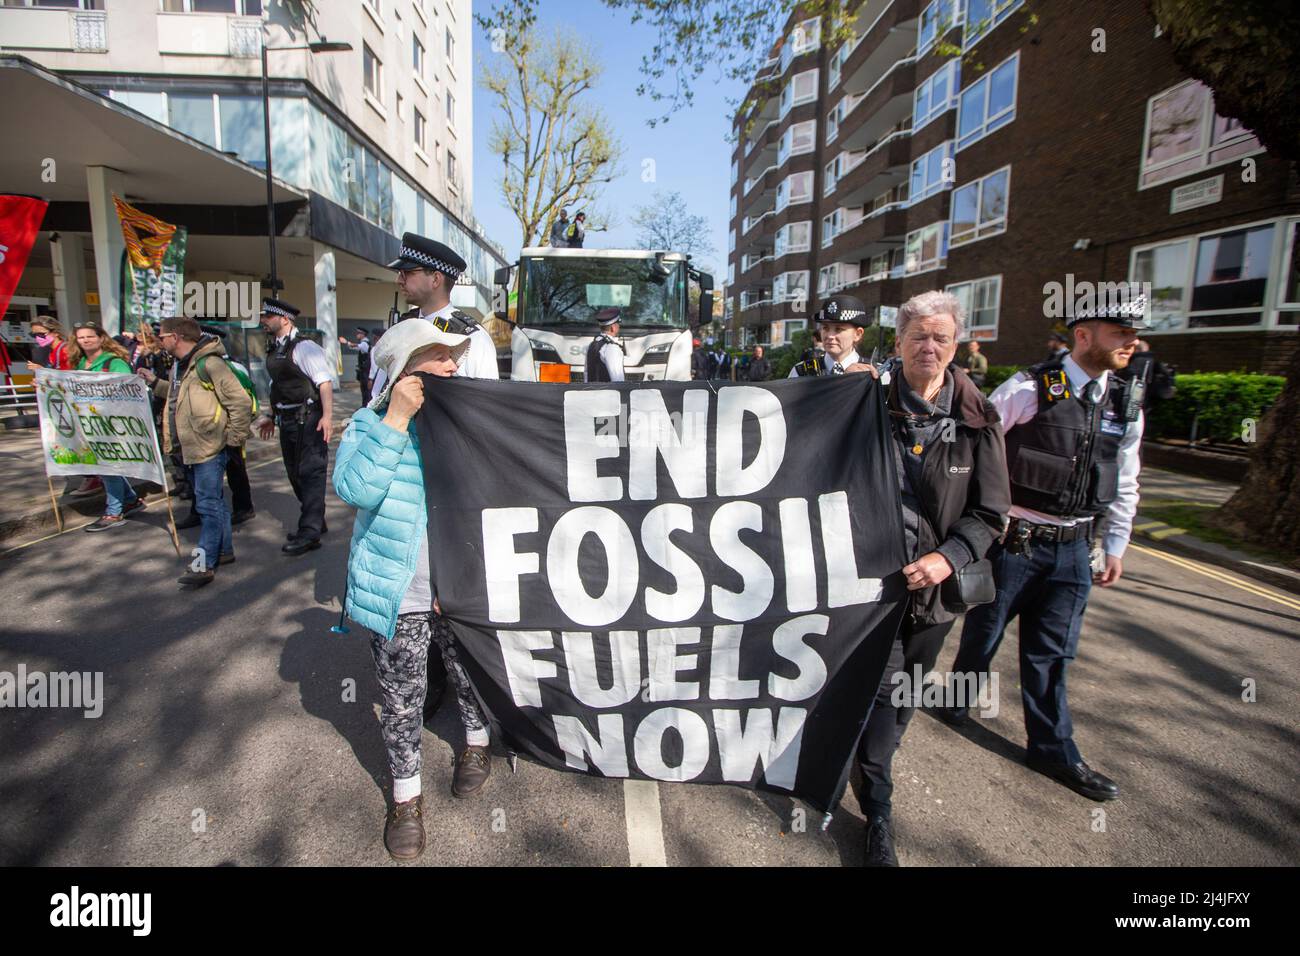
<point x="378" y="471"/>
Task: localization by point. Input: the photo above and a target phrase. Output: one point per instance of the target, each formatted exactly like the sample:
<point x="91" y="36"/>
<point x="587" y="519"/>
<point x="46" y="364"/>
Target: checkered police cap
<point x="279" y="307"/>
<point x="420" y="252"/>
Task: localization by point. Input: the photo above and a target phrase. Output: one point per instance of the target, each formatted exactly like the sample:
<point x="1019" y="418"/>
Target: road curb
<point x="1179" y="541"/>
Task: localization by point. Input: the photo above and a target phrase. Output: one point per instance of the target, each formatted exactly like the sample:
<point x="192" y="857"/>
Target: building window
<point x="831" y="227"/>
<point x="932" y="173"/>
<point x="247" y="8"/>
<point x="980" y="300"/>
<point x="802" y="88"/>
<point x="979" y="209"/>
<point x="735" y="171"/>
<point x="790" y="287"/>
<point x="417" y="55"/>
<point x="833" y="124"/>
<point x="926" y="248"/>
<point x="989" y="103"/>
<point x="419" y="128"/>
<point x="1215" y="280"/>
<point x="1289" y="288"/>
<point x="401" y="105"/>
<point x="733" y="206"/>
<point x="798" y="139"/>
<point x="829" y="178"/>
<point x="836" y="64"/>
<point x="451" y="48"/>
<point x="1184" y="134"/>
<point x="193" y="115"/>
<point x="731" y="274"/>
<point x="936" y="20"/>
<point x="453" y="174"/>
<point x="793" y="237"/>
<point x="731" y="241"/>
<point x="242" y="129"/>
<point x="372" y="70"/>
<point x="936" y="95"/>
<point x="795" y="188"/>
<point x="451" y="108"/>
<point x="983" y="15"/>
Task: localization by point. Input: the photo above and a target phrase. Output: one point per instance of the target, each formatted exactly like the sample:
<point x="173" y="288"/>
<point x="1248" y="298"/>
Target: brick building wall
<point x="1075" y="151"/>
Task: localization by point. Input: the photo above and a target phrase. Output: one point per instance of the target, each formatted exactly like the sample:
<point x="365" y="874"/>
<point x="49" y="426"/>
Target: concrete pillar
<point x="327" y="318"/>
<point x="106" y="233"/>
<point x="68" y="255"/>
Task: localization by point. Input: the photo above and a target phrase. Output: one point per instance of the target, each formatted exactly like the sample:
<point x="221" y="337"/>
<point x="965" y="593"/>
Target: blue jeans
<point x="118" y="493"/>
<point x="208" y="480"/>
<point x="1047" y="588"/>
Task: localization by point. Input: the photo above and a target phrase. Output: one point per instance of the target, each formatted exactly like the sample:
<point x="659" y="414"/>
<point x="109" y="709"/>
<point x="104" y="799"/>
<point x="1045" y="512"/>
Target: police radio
<point x="814" y="363"/>
<point x="394" y="316"/>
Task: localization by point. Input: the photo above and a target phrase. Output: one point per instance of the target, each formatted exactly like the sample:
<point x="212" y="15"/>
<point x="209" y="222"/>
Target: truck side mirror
<point x="706" y="282"/>
<point x="706" y="307"/>
<point x="501" y="293"/>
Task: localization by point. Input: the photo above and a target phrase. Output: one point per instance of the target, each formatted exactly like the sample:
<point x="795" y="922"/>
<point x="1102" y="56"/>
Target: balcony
<point x="35" y="28"/>
<point x="757" y="268"/>
<point x="891" y="36"/>
<point x="209" y="34"/>
<point x="875" y="233"/>
<point x="880" y="169"/>
<point x="881" y="108"/>
<point x="761" y="149"/>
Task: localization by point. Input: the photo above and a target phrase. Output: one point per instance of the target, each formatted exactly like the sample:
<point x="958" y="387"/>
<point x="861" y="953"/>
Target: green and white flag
<point x="98" y="423"/>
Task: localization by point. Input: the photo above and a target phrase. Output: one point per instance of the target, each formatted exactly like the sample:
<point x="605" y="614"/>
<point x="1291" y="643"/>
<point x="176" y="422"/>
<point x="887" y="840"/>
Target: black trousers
<point x="241" y="492"/>
<point x="306" y="456"/>
<point x="915" y="644"/>
<point x="364" y="383"/>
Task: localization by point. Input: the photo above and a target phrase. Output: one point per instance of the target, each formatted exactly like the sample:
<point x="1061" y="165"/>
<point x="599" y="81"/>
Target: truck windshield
<point x="570" y="291"/>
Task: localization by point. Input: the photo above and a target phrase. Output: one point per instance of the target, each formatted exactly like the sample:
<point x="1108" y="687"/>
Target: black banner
<point x="670" y="581"/>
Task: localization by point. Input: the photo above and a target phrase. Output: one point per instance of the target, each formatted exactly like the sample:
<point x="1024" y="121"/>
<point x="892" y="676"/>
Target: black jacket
<point x="760" y="370"/>
<point x="965" y="492"/>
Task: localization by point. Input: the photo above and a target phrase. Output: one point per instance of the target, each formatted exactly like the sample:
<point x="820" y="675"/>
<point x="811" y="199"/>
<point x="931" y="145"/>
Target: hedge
<point x="1217" y="401"/>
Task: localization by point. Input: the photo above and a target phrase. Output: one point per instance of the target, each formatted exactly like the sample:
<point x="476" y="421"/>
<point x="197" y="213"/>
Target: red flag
<point x="20" y="220"/>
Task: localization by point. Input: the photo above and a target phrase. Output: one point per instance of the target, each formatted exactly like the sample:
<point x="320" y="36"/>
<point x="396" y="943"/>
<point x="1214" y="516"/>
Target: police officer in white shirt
<point x="605" y="354"/>
<point x="302" y="406"/>
<point x="1072" y="442"/>
<point x="842" y="321"/>
<point x="426" y="270"/>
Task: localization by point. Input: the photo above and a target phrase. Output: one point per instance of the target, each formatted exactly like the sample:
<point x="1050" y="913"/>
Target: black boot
<point x="880" y="842"/>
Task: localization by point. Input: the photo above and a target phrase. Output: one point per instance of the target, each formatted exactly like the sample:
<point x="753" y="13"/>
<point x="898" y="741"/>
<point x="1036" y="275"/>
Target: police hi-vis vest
<point x="1065" y="460"/>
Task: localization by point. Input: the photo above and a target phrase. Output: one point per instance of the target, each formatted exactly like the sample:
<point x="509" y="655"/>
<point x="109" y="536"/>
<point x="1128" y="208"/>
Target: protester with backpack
<point x="205" y="415"/>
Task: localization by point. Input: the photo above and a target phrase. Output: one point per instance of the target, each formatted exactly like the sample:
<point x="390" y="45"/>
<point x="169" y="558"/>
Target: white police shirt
<point x="852" y="358"/>
<point x="310" y="358"/>
<point x="612" y="356"/>
<point x="1016" y="400"/>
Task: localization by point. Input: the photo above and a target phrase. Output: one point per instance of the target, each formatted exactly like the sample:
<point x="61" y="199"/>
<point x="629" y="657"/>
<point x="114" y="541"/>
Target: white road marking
<point x="645" y="831"/>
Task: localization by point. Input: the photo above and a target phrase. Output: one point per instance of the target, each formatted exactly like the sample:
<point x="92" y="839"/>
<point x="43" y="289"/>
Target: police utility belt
<point x="1020" y="533"/>
<point x="296" y="413"/>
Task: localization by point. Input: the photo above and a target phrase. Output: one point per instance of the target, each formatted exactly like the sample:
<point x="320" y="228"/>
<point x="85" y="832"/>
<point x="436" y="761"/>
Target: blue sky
<point x="691" y="153"/>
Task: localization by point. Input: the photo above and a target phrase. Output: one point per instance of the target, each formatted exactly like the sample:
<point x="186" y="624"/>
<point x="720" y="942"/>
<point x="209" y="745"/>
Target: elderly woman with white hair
<point x="952" y="472"/>
<point x="378" y="471"/>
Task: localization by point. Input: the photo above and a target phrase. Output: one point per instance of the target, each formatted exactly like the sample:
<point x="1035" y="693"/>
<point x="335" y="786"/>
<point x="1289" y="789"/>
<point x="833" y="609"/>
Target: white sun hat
<point x="399" y="343"/>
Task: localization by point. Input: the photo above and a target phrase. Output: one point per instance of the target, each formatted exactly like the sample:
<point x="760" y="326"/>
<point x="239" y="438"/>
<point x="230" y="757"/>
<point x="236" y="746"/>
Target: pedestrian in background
<point x="559" y="228"/>
<point x="1058" y="347"/>
<point x="379" y="472"/>
<point x="362" y="347"/>
<point x="977" y="365"/>
<point x="577" y="232"/>
<point x="93" y="350"/>
<point x="51" y="348"/>
<point x="207" y="412"/>
<point x="760" y="369"/>
<point x="699" y="361"/>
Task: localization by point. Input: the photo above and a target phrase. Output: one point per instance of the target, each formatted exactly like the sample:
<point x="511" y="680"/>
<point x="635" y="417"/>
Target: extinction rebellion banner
<point x="678" y="581"/>
<point x="97" y="423"/>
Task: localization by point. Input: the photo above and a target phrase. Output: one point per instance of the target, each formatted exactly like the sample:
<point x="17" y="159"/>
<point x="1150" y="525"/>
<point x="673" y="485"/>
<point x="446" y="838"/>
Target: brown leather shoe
<point x="473" y="764"/>
<point x="404" y="830"/>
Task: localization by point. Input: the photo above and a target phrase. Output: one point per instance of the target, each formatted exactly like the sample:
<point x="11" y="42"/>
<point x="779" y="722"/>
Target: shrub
<point x="998" y="374"/>
<point x="1217" y="401"/>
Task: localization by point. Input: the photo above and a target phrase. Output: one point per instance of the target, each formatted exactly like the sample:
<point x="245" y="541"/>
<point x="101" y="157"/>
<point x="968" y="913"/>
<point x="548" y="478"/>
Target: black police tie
<point x="838" y="369"/>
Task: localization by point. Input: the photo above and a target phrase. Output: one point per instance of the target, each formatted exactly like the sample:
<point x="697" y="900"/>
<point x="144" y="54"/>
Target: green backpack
<point x="239" y="371"/>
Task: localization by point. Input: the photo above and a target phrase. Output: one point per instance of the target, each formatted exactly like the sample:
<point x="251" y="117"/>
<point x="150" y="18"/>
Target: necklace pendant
<point x="916" y="449"/>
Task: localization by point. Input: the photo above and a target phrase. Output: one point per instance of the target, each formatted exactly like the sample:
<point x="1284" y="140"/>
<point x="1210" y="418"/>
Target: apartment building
<point x="160" y="102"/>
<point x="996" y="147"/>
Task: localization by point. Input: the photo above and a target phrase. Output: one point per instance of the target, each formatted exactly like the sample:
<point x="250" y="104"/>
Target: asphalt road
<point x="226" y="739"/>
